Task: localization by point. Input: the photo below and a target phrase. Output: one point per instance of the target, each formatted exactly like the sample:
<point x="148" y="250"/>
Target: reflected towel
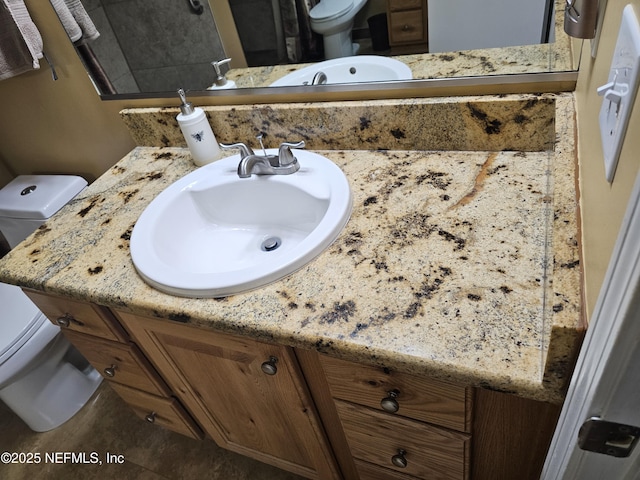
<point x="68" y="22"/>
<point x="75" y="20"/>
<point x="20" y="40"/>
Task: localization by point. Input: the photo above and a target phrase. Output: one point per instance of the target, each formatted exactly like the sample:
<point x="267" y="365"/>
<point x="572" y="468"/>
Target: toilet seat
<point x="327" y="10"/>
<point x="20" y="318"/>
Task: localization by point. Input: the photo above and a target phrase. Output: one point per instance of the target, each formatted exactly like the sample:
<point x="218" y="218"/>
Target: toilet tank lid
<point x="328" y="9"/>
<point x="38" y="196"/>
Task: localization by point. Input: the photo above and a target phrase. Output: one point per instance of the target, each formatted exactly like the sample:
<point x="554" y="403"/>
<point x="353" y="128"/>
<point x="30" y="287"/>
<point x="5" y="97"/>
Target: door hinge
<point x="614" y="439"/>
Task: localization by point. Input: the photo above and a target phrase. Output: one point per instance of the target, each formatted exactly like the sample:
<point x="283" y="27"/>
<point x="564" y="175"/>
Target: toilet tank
<point x="29" y="200"/>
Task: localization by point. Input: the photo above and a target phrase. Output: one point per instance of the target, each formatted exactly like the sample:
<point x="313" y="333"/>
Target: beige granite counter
<point x="542" y="58"/>
<point x="460" y="264"/>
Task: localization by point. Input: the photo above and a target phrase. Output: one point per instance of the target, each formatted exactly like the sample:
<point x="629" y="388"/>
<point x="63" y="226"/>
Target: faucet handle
<point x="245" y="150"/>
<point x="285" y="156"/>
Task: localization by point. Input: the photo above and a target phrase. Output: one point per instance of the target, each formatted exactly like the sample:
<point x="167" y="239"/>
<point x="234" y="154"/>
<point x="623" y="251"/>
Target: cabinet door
<point x="397" y="5"/>
<point x="426" y="451"/>
<point x="119" y="363"/>
<point x="76" y="316"/>
<point x="165" y="412"/>
<point x="407" y="27"/>
<point x="222" y="381"/>
<point x="416" y="397"/>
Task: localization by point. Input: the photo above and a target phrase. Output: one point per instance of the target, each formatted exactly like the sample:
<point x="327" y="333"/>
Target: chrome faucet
<point x="284" y="163"/>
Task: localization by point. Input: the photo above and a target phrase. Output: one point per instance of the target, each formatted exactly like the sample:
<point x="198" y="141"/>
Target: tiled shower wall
<point x="155" y="45"/>
<point x="260" y="30"/>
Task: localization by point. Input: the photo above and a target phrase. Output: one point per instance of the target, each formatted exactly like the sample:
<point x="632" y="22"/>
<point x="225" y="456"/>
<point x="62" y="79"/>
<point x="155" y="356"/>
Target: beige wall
<point x="61" y="126"/>
<point x="603" y="205"/>
<point x="5" y="175"/>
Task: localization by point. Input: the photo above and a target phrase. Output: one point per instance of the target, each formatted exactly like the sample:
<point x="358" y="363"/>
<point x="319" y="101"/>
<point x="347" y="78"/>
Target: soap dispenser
<point x="197" y="132"/>
<point x="221" y="82"/>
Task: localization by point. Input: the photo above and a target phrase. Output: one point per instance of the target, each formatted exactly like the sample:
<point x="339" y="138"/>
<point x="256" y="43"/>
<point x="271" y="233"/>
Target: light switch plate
<point x="620" y="90"/>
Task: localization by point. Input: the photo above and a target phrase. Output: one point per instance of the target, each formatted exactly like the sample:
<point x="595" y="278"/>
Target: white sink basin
<point x="359" y="68"/>
<point x="213" y="234"/>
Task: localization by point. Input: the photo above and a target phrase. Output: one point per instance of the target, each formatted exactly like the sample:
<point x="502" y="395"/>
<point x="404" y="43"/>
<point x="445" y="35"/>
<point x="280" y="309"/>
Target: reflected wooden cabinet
<point x="407" y="23"/>
<point x="249" y="396"/>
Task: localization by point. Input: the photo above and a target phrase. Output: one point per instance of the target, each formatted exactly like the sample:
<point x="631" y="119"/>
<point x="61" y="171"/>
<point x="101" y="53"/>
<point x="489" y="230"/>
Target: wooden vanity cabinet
<point x="399" y="425"/>
<point x="249" y="396"/>
<point x="446" y="430"/>
<point x="407" y="23"/>
<point x="98" y="335"/>
<point x="304" y="412"/>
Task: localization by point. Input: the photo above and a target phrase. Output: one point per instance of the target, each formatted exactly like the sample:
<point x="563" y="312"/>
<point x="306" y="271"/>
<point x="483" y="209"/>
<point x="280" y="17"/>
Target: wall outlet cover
<point x="620" y="90"/>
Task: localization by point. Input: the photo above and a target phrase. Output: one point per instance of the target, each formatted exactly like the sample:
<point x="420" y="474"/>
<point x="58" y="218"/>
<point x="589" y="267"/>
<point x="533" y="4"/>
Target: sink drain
<point x="270" y="244"/>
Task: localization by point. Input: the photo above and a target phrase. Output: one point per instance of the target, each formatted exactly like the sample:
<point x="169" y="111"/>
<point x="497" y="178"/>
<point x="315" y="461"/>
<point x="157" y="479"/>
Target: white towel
<point x="75" y="20"/>
<point x="20" y="40"/>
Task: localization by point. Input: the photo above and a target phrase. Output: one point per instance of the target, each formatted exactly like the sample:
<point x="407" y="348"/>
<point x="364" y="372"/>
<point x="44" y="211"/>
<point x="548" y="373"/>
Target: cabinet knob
<point x="65" y="320"/>
<point x="399" y="460"/>
<point x="269" y="367"/>
<point x="151" y="417"/>
<point x="406" y="28"/>
<point x="111" y="371"/>
<point x="390" y="403"/>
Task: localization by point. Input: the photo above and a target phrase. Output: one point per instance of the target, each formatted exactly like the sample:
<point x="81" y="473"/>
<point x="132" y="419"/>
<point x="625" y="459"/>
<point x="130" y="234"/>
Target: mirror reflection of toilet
<point x="43" y="378"/>
<point x="333" y="19"/>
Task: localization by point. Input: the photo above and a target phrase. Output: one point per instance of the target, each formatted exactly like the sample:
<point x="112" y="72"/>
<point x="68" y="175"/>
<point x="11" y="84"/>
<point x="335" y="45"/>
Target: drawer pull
<point x="269" y="367"/>
<point x="406" y="27"/>
<point x="389" y="403"/>
<point x="111" y="371"/>
<point x="399" y="460"/>
<point x="66" y="320"/>
<point x="151" y="417"/>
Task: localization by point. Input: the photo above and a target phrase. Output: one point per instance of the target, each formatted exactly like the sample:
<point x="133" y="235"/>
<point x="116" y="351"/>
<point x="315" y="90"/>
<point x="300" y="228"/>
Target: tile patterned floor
<point x="106" y="425"/>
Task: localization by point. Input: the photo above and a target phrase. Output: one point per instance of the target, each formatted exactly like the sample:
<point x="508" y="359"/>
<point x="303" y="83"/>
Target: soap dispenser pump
<point x="197" y="132"/>
<point x="221" y="82"/>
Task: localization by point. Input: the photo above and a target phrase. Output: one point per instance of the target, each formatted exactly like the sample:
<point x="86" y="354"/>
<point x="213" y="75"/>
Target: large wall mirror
<point x="150" y="49"/>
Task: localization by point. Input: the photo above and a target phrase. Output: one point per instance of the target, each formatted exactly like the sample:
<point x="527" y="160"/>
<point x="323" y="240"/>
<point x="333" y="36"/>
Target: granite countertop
<point x="549" y="57"/>
<point x="463" y="265"/>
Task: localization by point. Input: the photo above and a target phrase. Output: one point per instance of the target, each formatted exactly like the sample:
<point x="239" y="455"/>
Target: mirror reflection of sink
<point x="360" y="68"/>
<point x="213" y="234"/>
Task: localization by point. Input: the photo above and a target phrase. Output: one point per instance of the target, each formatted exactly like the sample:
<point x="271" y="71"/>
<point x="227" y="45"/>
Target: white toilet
<point x="43" y="378"/>
<point x="333" y="19"/>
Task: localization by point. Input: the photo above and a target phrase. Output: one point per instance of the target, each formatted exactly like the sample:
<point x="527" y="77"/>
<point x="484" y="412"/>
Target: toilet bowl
<point x="43" y="378"/>
<point x="333" y="19"/>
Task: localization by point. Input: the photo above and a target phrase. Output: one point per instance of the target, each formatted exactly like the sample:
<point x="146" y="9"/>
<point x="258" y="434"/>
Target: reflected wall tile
<point x="164" y="32"/>
<point x="168" y="79"/>
<point x="107" y="49"/>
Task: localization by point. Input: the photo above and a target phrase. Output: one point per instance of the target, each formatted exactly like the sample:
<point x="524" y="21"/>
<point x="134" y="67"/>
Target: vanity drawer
<point x="430" y="452"/>
<point x="119" y="363"/>
<point x="416" y="397"/>
<point x="77" y="316"/>
<point x="396" y="5"/>
<point x="165" y="412"/>
<point x="407" y="27"/>
<point x="369" y="471"/>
